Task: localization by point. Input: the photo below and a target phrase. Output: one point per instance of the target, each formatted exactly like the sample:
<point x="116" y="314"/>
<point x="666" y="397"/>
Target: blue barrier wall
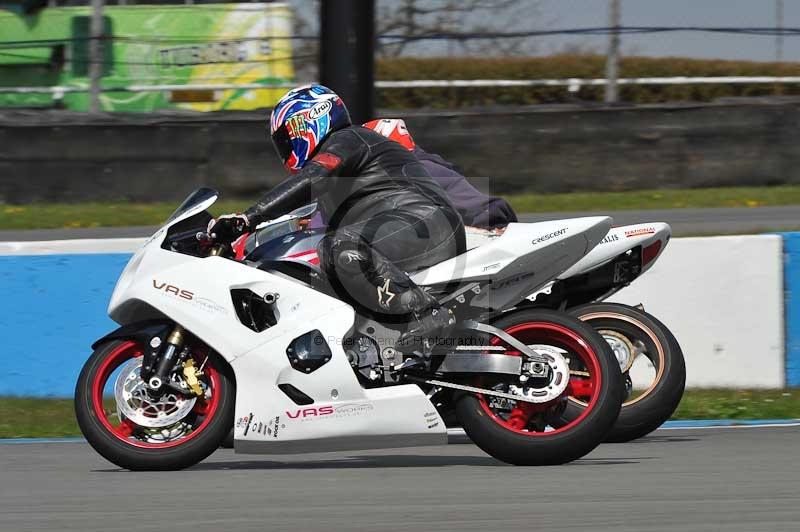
<point x="52" y="307"/>
<point x="791" y="284"/>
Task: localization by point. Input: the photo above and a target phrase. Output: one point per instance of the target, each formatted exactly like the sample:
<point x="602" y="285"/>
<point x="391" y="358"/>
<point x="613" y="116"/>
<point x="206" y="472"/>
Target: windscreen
<point x="195" y="198"/>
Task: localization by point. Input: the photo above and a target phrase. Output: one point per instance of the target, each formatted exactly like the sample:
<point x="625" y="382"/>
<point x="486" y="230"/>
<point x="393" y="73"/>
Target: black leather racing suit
<point x="386" y="217"/>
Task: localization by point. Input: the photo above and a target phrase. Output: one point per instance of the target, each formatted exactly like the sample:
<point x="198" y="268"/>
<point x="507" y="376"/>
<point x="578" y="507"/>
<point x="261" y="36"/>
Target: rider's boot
<point x="429" y="321"/>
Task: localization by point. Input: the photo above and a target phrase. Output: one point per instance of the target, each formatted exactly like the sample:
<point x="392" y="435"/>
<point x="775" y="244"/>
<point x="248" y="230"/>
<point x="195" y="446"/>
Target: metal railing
<point x="575" y="84"/>
<point x="572" y="84"/>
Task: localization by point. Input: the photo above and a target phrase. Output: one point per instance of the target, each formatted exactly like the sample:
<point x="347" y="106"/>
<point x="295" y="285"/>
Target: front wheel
<point x="526" y="433"/>
<point x="137" y="430"/>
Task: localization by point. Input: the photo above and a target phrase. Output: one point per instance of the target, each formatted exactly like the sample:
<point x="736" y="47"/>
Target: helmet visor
<point x="282" y="143"/>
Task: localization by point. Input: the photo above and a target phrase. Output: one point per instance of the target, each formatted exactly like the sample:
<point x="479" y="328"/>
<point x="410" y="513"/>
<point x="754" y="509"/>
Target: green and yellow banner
<point x="207" y="44"/>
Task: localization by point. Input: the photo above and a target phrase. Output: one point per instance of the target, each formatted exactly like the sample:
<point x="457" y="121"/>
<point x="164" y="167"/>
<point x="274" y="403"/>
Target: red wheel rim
<point x="124" y="431"/>
<point x="587" y="387"/>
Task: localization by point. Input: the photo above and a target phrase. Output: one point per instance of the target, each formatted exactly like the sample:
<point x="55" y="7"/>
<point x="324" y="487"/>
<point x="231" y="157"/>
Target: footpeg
<point x="411" y="362"/>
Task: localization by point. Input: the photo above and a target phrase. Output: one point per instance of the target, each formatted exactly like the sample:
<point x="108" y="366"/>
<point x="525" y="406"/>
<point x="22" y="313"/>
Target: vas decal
<point x="174" y="290"/>
<point x="200" y="303"/>
<point x="330" y="412"/>
<point x="310" y="412"/>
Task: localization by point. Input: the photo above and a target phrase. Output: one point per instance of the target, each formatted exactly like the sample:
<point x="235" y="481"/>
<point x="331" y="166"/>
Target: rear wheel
<point x="526" y="433"/>
<point x="653" y="368"/>
<point x="136" y="430"/>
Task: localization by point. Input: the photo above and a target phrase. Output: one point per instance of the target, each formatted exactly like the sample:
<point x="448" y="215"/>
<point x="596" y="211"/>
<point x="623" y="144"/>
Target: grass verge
<point x="37" y="418"/>
<point x="739" y="404"/>
<point x="52" y="418"/>
<point x="121" y="214"/>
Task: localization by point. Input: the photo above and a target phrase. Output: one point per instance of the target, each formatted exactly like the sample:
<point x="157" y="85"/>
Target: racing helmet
<point x="394" y="129"/>
<point x="302" y="120"/>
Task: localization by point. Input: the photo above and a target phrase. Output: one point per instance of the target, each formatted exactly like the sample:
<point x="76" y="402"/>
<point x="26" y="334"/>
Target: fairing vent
<point x="297" y="397"/>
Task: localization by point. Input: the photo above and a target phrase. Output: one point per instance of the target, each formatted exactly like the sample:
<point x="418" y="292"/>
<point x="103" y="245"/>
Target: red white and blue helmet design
<point x="302" y="119"/>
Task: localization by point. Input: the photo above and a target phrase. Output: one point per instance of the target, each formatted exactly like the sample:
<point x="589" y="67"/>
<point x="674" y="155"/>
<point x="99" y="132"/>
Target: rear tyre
<point x="522" y="433"/>
<point x="143" y="440"/>
<point x="647" y="409"/>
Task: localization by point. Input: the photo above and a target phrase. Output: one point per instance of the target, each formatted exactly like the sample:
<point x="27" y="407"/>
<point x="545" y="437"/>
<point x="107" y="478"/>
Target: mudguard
<point x="140" y="331"/>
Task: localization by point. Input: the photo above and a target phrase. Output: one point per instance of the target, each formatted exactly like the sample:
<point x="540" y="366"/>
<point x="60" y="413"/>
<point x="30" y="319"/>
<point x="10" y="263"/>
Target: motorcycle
<point x="645" y="348"/>
<point x="206" y="343"/>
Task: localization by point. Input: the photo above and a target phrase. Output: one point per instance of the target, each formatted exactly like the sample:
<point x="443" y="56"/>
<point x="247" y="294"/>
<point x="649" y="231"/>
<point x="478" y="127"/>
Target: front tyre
<point x="524" y="433"/>
<point x="137" y="431"/>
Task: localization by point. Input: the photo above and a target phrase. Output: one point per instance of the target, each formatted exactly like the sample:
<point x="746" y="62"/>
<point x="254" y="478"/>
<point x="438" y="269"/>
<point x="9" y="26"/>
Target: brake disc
<point x="135" y="402"/>
<point x="623" y="349"/>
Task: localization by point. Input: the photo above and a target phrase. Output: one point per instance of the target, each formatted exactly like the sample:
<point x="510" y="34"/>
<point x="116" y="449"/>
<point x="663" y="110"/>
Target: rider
<point x="385" y="214"/>
<point x="476" y="208"/>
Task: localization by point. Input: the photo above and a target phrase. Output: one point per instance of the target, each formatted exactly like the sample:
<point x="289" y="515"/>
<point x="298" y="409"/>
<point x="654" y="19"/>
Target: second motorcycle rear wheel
<point x="648" y="408"/>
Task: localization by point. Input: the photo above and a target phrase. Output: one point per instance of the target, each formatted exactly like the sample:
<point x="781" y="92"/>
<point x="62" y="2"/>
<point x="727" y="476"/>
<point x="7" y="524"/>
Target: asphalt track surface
<point x="717" y="221"/>
<point x="733" y="479"/>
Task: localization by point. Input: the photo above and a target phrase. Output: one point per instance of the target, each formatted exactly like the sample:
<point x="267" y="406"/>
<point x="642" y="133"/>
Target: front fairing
<point x="197" y="202"/>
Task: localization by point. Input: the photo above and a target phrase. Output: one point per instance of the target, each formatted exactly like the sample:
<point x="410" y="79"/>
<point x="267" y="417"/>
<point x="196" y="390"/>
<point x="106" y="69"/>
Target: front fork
<point x="166" y="362"/>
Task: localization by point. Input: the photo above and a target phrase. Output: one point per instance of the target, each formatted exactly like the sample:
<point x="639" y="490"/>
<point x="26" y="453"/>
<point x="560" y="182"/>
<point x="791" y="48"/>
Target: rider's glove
<point x="228" y="227"/>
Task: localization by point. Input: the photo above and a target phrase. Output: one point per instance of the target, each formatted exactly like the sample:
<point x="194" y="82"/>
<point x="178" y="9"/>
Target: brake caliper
<point x="190" y="373"/>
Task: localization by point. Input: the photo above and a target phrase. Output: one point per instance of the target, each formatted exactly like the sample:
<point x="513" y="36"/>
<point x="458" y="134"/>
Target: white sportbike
<point x="207" y="342"/>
